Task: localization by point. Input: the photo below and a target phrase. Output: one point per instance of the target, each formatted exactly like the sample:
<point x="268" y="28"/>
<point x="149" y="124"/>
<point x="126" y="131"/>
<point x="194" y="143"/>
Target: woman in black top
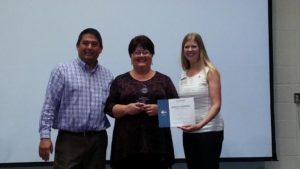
<point x="137" y="140"/>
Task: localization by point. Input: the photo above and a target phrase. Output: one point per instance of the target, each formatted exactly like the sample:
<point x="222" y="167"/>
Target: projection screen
<point x="38" y="35"/>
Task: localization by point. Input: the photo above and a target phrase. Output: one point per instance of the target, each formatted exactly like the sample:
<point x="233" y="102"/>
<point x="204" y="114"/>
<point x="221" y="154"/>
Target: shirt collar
<point x="84" y="66"/>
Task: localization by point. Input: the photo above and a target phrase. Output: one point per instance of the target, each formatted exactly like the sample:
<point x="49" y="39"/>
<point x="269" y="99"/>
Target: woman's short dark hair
<point x="93" y="32"/>
<point x="141" y="41"/>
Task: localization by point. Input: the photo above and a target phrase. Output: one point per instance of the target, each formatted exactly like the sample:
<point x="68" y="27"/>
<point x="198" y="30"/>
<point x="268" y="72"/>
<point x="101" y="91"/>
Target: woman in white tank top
<point x="202" y="141"/>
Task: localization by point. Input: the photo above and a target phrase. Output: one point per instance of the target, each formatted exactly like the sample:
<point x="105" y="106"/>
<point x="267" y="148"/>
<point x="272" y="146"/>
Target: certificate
<point x="176" y="112"/>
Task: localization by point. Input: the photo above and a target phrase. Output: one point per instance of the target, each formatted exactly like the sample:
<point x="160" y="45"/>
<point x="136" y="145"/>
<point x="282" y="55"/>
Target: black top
<point x="134" y="134"/>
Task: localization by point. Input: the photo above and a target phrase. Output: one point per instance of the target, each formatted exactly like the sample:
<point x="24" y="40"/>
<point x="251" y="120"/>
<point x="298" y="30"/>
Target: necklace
<point x="141" y="79"/>
<point x="142" y="76"/>
<point x="144" y="93"/>
<point x="144" y="89"/>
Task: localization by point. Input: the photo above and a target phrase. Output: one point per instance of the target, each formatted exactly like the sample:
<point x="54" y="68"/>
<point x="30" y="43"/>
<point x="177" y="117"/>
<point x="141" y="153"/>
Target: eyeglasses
<point x="142" y="52"/>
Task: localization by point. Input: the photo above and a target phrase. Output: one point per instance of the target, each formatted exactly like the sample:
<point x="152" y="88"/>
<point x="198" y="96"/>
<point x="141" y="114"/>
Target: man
<point x="74" y="105"/>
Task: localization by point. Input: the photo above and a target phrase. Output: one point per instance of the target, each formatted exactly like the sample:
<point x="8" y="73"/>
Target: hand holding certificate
<point x="176" y="112"/>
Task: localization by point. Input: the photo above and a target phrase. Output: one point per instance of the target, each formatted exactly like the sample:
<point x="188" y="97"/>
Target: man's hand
<point x="45" y="148"/>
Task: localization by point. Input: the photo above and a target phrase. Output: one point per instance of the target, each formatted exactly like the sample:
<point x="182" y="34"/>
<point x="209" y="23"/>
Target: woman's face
<point x="191" y="51"/>
<point x="141" y="58"/>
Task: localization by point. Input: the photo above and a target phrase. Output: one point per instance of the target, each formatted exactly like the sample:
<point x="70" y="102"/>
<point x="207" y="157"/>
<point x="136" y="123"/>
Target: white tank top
<point x="197" y="87"/>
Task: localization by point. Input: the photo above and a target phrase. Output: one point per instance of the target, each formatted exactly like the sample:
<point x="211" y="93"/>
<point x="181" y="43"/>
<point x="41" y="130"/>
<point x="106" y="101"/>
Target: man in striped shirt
<point x="74" y="104"/>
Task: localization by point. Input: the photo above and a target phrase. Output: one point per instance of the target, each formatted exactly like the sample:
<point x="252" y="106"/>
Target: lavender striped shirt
<point x="75" y="99"/>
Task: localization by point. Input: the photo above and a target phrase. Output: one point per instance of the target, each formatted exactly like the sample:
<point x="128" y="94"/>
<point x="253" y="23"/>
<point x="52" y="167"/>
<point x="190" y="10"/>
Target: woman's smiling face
<point x="191" y="51"/>
<point x="141" y="58"/>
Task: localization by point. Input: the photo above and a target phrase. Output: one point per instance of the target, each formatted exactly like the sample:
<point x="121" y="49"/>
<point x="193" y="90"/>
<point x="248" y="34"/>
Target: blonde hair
<point x="204" y="59"/>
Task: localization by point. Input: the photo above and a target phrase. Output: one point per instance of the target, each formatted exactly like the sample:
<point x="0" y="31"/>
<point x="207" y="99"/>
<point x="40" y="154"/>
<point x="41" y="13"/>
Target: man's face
<point x="89" y="49"/>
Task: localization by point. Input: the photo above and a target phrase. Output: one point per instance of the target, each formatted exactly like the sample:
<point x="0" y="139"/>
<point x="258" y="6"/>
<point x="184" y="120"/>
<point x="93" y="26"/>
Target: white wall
<point x="286" y="33"/>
